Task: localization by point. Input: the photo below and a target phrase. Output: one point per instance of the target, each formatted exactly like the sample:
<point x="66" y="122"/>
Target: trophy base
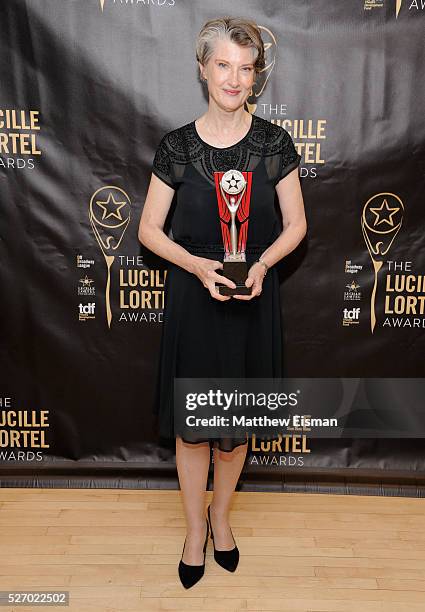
<point x="236" y="271"/>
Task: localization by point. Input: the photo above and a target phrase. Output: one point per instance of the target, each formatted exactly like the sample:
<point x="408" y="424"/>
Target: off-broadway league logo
<point x="381" y="221"/>
<point x="109" y="214"/>
<point x="84" y="263"/>
<point x="351" y="268"/>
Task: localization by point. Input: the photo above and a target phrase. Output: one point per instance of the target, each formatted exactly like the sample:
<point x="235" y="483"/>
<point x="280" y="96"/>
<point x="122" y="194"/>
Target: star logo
<point x="102" y="4"/>
<point x="384" y="216"/>
<point x="111" y="208"/>
<point x="86" y="281"/>
<point x="378" y="236"/>
<point x="233" y="182"/>
<point x="352" y="286"/>
<point x="109" y="228"/>
<point x="397" y="7"/>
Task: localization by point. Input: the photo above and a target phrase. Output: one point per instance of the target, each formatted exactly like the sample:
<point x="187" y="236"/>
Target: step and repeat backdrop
<point x="88" y="89"/>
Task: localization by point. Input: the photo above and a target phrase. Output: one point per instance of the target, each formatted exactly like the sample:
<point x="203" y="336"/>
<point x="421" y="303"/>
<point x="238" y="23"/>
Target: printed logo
<point x="86" y="311"/>
<point x="351" y="317"/>
<point x="109" y="214"/>
<point x="371" y="4"/>
<point x="351" y="268"/>
<point x="84" y="263"/>
<point x="404" y="296"/>
<point x="22" y="432"/>
<point x="19" y="134"/>
<point x="352" y="293"/>
<point x="86" y="288"/>
<point x="414" y="4"/>
<point x="381" y="221"/>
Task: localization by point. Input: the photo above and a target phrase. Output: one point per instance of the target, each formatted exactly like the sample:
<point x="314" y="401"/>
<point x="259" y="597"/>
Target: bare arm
<point x="293" y="216"/>
<point x="151" y="234"/>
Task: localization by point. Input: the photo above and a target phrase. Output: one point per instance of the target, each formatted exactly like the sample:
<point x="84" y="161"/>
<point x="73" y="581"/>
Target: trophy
<point x="233" y="190"/>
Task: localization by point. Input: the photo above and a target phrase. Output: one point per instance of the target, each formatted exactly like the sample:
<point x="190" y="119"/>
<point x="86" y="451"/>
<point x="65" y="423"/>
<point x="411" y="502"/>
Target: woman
<point x="205" y="333"/>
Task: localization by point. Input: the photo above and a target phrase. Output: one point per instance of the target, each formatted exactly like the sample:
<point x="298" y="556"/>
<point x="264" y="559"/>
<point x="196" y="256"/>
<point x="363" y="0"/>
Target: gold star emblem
<point x="386" y="214"/>
<point x="352" y="286"/>
<point x="111" y="209"/>
<point x="86" y="281"/>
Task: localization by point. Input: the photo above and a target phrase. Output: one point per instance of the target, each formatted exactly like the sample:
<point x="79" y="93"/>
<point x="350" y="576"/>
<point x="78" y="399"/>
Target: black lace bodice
<point x="187" y="164"/>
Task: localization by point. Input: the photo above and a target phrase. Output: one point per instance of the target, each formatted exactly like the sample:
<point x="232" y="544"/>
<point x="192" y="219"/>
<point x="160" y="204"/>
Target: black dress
<point x="203" y="337"/>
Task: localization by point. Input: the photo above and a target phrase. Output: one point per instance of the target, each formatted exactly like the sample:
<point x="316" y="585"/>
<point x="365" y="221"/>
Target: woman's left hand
<point x="254" y="280"/>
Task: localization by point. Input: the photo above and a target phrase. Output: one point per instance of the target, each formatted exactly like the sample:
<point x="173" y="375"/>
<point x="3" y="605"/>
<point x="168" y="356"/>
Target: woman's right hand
<point x="205" y="270"/>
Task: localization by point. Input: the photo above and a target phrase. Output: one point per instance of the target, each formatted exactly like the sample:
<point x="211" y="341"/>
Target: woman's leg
<point x="193" y="461"/>
<point x="227" y="469"/>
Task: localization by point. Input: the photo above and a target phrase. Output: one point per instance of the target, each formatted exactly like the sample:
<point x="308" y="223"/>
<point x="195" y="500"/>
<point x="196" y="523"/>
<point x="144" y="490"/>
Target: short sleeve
<point x="162" y="165"/>
<point x="289" y="158"/>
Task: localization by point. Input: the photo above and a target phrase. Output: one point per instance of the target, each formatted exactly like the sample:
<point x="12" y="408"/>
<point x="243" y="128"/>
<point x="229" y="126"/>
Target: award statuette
<point x="233" y="190"/>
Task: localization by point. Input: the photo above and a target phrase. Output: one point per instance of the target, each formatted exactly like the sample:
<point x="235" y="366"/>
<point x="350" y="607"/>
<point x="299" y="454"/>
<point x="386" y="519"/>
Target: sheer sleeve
<point x="162" y="165"/>
<point x="288" y="156"/>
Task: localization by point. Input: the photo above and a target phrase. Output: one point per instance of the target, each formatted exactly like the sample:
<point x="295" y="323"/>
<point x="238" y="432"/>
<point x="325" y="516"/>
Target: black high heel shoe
<point x="190" y="574"/>
<point x="228" y="559"/>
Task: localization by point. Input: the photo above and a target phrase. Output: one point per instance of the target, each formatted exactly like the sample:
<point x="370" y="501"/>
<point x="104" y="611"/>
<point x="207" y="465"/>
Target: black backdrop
<point x="88" y="88"/>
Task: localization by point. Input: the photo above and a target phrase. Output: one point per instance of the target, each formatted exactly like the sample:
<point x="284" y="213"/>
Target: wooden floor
<point x="118" y="550"/>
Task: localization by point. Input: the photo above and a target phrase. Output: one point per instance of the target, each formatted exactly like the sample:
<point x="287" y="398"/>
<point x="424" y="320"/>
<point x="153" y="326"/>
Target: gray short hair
<point x="243" y="32"/>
